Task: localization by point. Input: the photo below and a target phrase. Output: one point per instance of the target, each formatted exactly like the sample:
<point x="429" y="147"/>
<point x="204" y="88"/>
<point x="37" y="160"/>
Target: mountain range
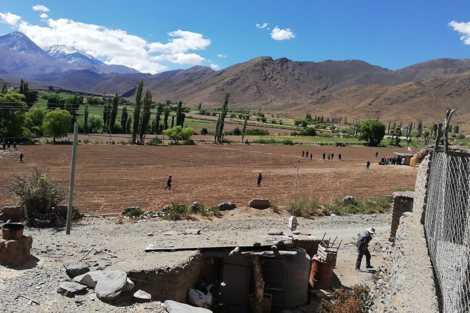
<point x="350" y="88"/>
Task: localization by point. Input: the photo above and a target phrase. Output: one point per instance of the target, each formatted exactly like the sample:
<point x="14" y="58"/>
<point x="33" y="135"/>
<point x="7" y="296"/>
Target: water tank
<point x="297" y="278"/>
<point x="287" y="279"/>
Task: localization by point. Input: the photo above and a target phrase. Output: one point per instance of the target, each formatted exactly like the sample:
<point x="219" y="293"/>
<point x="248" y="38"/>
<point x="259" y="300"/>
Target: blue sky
<point x="154" y="36"/>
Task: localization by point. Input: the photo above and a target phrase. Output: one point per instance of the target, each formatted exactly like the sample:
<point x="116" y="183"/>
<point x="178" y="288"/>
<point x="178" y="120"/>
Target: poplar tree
<point x="165" y="118"/>
<point x="4" y="88"/>
<point x="244" y="126"/>
<point x="124" y="117"/>
<point x="146" y="114"/>
<point x="219" y="130"/>
<point x="113" y="113"/>
<point x="173" y="121"/>
<point x="85" y="117"/>
<point x="138" y="107"/>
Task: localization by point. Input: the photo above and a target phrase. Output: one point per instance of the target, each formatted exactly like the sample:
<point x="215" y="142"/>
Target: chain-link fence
<point x="447" y="222"/>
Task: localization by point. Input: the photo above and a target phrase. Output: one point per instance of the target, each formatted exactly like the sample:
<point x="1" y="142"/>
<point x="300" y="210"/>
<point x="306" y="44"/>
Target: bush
<point x="375" y="205"/>
<point x="287" y="142"/>
<point x="155" y="141"/>
<point x="133" y="212"/>
<point x="256" y="132"/>
<point x="347" y="301"/>
<point x="237" y="131"/>
<point x="307" y="207"/>
<point x="204" y="131"/>
<point x="460" y="136"/>
<point x="36" y="193"/>
<point x="176" y="212"/>
<point x="265" y="141"/>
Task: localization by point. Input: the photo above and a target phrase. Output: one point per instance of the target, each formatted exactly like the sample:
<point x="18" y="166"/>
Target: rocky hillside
<point x="426" y="100"/>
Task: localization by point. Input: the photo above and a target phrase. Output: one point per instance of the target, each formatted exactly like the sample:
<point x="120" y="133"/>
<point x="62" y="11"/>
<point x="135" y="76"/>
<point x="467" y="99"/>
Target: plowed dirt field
<point x="110" y="178"/>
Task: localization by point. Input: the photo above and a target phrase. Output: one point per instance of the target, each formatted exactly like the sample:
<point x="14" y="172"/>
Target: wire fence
<point x="447" y="222"/>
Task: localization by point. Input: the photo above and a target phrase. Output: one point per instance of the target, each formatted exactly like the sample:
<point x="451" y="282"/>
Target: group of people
<point x="396" y="160"/>
<point x="329" y="156"/>
<point x="6" y="145"/>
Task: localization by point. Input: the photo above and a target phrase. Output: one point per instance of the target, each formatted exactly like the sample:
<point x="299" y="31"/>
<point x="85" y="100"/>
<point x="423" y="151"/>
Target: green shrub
<point x="133" y="212"/>
<point x="265" y="141"/>
<point x="176" y="212"/>
<point x="460" y="136"/>
<point x="307" y="207"/>
<point x="287" y="142"/>
<point x="155" y="141"/>
<point x="204" y="131"/>
<point x="215" y="211"/>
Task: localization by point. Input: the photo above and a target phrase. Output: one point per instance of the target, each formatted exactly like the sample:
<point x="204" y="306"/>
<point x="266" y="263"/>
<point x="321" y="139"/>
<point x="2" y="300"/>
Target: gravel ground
<point x="40" y="278"/>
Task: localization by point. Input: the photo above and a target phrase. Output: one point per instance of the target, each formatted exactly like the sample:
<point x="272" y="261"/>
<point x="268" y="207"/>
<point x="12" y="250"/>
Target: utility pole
<point x="72" y="179"/>
<point x="295" y="190"/>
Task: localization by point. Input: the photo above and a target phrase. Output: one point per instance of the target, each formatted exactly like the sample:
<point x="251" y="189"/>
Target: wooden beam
<point x="259" y="283"/>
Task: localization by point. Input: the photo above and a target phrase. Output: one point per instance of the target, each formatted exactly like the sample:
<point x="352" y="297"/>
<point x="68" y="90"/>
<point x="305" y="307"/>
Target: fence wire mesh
<point x="447" y="228"/>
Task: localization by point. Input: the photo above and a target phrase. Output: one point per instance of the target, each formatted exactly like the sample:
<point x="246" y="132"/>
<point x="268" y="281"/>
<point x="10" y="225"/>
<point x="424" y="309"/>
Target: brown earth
<point x="110" y="178"/>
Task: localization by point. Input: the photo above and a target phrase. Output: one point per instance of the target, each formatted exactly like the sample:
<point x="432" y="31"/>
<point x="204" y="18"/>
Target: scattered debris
<point x="142" y="296"/>
<point x="31" y="301"/>
<point x="89" y="279"/>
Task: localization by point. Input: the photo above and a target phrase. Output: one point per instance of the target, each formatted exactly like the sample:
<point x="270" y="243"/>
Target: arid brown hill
<point x="412" y="101"/>
<point x="261" y="82"/>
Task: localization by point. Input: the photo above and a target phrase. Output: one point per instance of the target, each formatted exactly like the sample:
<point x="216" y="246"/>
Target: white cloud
<point x="221" y="55"/>
<point x="40" y="8"/>
<point x="9" y="18"/>
<point x="215" y="67"/>
<point x="43" y="15"/>
<point x="282" y="34"/>
<point x="463" y="29"/>
<point x="115" y="46"/>
<point x="262" y="25"/>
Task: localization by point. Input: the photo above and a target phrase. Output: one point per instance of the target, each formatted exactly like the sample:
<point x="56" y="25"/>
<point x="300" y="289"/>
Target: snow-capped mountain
<point x="21" y="43"/>
<point x="72" y="55"/>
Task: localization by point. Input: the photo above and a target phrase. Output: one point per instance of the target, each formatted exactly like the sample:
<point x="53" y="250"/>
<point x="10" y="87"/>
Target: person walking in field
<point x="4" y="144"/>
<point x="306" y="155"/>
<point x="323" y="156"/>
<point x="311" y="156"/>
<point x="168" y="183"/>
<point x="259" y="179"/>
<point x="303" y="153"/>
<point x="367" y="165"/>
<point x="332" y="156"/>
<point x="339" y="157"/>
<point x="21" y="157"/>
<point x="363" y="248"/>
<point x="14" y="145"/>
<point x="376" y="154"/>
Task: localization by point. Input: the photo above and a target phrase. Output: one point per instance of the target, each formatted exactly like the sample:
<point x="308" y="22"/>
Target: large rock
<point x="110" y="286"/>
<point x="225" y="206"/>
<point x="89" y="279"/>
<point x="260" y="204"/>
<point x="176" y="307"/>
<point x="70" y="289"/>
<point x="74" y="268"/>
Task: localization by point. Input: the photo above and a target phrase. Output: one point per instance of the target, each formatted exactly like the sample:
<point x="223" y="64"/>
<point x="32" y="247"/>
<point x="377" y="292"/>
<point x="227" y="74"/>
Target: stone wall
<point x="421" y="190"/>
<point x="402" y="202"/>
<point x="406" y="282"/>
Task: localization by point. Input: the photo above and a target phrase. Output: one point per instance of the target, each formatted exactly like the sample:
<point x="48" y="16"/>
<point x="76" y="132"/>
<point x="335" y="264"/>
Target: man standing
<point x="339" y="157"/>
<point x="168" y="183"/>
<point x="367" y="165"/>
<point x="303" y="152"/>
<point x="376" y="154"/>
<point x="307" y="154"/>
<point x="363" y="248"/>
<point x="14" y="145"/>
<point x="21" y="157"/>
<point x="323" y="156"/>
<point x="311" y="156"/>
<point x="259" y="179"/>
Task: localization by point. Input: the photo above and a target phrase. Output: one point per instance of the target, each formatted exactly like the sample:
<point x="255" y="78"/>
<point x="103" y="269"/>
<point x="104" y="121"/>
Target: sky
<point x="153" y="36"/>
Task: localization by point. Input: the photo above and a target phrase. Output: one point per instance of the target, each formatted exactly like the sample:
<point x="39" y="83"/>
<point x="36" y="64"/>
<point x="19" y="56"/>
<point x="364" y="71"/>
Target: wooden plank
<point x="152" y="248"/>
<point x="259" y="283"/>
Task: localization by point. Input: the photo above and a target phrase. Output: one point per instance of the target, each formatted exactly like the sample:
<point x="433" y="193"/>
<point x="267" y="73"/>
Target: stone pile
<point x="111" y="287"/>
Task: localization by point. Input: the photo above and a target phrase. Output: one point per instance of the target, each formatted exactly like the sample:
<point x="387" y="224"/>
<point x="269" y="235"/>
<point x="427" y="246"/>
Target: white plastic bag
<point x="196" y="297"/>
